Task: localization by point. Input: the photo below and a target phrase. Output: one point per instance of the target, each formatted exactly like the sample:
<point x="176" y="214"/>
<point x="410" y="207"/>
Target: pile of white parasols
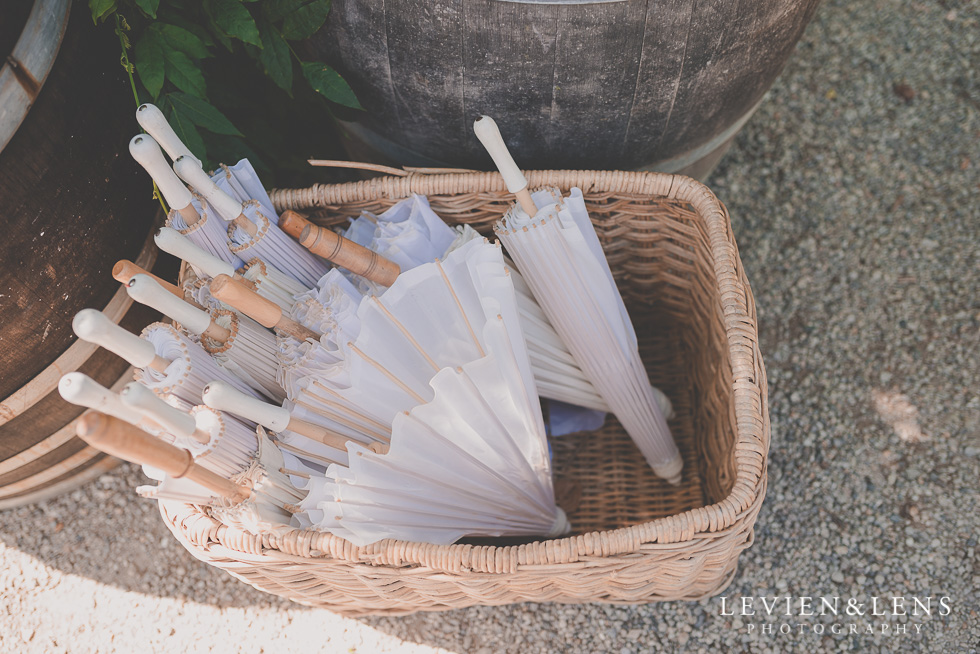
<point x="381" y="383"/>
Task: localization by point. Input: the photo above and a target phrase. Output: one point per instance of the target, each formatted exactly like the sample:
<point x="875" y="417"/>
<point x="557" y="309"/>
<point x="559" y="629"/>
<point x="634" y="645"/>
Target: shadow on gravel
<point x="103" y="531"/>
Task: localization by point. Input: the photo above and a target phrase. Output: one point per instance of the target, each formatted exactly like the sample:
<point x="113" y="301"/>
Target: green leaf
<point x="305" y="21"/>
<point x="149" y="7"/>
<point x="276" y="10"/>
<point x="180" y="39"/>
<point x="183" y="73"/>
<point x="232" y="18"/>
<point x="176" y="17"/>
<point x="274" y="56"/>
<point x="202" y="114"/>
<point x="223" y="38"/>
<point x="185" y="130"/>
<point x="231" y="149"/>
<point x="101" y="9"/>
<point x="328" y="83"/>
<point x="149" y="62"/>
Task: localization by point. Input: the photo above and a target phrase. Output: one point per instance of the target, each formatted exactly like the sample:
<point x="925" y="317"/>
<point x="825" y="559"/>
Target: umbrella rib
<point x="304" y="453"/>
<point x="459" y="305"/>
<point x="340" y="407"/>
<point x="295" y="473"/>
<point x="405" y="332"/>
<point x="519" y="491"/>
<point x="480" y="464"/>
<point x="344" y="421"/>
<point x="384" y="371"/>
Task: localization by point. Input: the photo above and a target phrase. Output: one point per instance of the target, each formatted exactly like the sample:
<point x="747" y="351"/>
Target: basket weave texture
<point x="635" y="538"/>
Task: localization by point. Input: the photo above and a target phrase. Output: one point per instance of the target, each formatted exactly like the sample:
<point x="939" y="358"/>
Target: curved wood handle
<point x="348" y="254"/>
<point x="124" y="270"/>
<point x="265" y="312"/>
<point x="122" y="440"/>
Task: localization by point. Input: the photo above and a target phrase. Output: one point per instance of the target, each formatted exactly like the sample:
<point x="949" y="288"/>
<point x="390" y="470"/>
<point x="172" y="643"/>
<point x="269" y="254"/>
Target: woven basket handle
<point x="404" y="171"/>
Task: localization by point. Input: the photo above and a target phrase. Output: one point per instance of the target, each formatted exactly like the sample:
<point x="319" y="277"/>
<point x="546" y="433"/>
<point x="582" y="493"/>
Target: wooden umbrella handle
<point x="95" y="327"/>
<point x="122" y="440"/>
<point x="292" y="223"/>
<point x="153" y="121"/>
<point x="263" y="311"/>
<point x="223" y="397"/>
<point x="144" y="290"/>
<point x="348" y="254"/>
<point x="147" y="153"/>
<point x="489" y="135"/>
<point x="124" y="270"/>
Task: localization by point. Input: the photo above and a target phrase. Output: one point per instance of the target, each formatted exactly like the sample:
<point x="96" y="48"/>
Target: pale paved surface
<point x="857" y="217"/>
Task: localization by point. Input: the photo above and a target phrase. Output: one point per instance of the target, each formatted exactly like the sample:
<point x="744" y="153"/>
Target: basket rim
<point x="194" y="528"/>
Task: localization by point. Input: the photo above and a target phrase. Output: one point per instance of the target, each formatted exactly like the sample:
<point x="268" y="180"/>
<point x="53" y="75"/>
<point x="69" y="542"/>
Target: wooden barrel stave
<point x="615" y="85"/>
<point x="72" y="203"/>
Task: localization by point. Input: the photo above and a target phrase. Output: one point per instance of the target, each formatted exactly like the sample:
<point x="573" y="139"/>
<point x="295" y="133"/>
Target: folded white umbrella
<point x="82" y="390"/>
<point x="273" y="284"/>
<point x="189" y="215"/>
<point x="470" y="458"/>
<point x="252" y="234"/>
<point x="264" y="279"/>
<point x="561" y="259"/>
<point x="315" y="444"/>
<point x="242" y="183"/>
<point x="167" y="361"/>
<point x="238" y="344"/>
<point x="221" y="443"/>
<point x="411" y="234"/>
<point x="260" y="499"/>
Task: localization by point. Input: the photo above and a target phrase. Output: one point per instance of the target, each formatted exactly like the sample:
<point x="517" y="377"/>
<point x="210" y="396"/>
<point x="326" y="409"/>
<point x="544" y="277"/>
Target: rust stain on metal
<point x="30" y="84"/>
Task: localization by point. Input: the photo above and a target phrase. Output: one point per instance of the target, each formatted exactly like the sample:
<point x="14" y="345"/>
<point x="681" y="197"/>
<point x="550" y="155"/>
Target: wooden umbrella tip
<point x="292" y="222"/>
<point x="218" y="283"/>
<point x="90" y="424"/>
<point x="306" y="235"/>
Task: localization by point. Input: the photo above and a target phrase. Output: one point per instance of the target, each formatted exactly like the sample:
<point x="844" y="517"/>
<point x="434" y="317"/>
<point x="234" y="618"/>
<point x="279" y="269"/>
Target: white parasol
<point x="412" y="234"/>
<point x="82" y="390"/>
<point x="265" y="280"/>
<point x="221" y="443"/>
<point x="441" y="358"/>
<point x="254" y="234"/>
<point x="238" y="344"/>
<point x="260" y="499"/>
<point x="168" y="362"/>
<point x="561" y="258"/>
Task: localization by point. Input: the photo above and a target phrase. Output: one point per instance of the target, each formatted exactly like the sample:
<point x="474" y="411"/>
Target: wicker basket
<point x="636" y="538"/>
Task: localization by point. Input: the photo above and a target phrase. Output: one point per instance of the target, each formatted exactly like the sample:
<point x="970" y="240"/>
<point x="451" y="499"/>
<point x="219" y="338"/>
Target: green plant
<point x="188" y="56"/>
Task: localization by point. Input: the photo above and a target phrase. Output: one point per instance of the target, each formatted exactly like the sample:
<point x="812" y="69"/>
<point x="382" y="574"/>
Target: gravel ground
<point x="853" y="196"/>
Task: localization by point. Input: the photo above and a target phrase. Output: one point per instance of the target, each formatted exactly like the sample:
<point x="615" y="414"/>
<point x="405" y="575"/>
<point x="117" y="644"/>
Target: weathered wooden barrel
<point x="72" y="203"/>
<point x="604" y="84"/>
